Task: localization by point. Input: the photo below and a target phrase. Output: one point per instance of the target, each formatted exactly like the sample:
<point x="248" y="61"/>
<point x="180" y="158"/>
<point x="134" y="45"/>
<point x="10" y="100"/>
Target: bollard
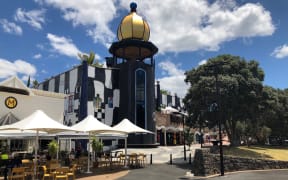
<point x="190" y="158"/>
<point x="170" y="158"/>
<point x="150" y="158"/>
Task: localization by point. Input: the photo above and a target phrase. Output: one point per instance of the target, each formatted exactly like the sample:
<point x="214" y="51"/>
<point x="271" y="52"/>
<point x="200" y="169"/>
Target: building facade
<point x="106" y="98"/>
<point x="125" y="89"/>
<point x="18" y="102"/>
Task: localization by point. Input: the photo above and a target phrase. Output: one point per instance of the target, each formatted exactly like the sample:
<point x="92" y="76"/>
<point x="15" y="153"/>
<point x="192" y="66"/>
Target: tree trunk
<point x="231" y="132"/>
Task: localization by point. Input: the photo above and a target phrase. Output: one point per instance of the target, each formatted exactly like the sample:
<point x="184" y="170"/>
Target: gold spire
<point x="133" y="26"/>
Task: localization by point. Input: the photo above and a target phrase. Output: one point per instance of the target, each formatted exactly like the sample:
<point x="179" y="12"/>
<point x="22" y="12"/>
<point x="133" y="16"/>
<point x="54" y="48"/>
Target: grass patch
<point x="265" y="152"/>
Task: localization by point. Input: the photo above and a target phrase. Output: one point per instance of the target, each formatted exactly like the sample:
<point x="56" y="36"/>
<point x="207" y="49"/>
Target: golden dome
<point x="133" y="26"/>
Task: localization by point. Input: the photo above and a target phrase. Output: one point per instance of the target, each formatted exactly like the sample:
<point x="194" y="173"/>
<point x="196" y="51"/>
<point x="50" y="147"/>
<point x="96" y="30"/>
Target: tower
<point x="133" y="55"/>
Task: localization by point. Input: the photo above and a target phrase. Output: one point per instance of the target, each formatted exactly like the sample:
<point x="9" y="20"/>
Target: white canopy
<point x="10" y="134"/>
<point x="91" y="125"/>
<point x="128" y="127"/>
<point x="169" y="110"/>
<point x="37" y="121"/>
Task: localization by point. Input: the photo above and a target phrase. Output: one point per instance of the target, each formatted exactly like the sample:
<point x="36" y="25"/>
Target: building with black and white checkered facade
<point x="103" y="93"/>
<point x="104" y="97"/>
<point x="125" y="89"/>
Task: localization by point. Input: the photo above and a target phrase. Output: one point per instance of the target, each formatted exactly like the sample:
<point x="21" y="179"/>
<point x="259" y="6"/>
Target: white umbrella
<point x="169" y="110"/>
<point x="39" y="122"/>
<point x="9" y="134"/>
<point x="128" y="127"/>
<point x="91" y="125"/>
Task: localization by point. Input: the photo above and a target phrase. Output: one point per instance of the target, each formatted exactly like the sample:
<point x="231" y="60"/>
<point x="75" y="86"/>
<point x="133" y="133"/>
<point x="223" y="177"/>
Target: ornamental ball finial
<point x="133" y="6"/>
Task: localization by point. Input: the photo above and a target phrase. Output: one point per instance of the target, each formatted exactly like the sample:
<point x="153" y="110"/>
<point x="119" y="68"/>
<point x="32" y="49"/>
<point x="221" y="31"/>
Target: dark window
<point x="140" y="81"/>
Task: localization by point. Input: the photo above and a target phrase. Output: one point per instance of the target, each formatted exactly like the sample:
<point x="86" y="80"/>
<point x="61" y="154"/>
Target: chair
<point x="26" y="161"/>
<point x="121" y="159"/>
<point x="72" y="171"/>
<point x="103" y="161"/>
<point x="17" y="173"/>
<point x="82" y="163"/>
<point x="29" y="167"/>
<point x="142" y="159"/>
<point x="133" y="161"/>
<point x="53" y="167"/>
<point x="46" y="173"/>
<point x="61" y="173"/>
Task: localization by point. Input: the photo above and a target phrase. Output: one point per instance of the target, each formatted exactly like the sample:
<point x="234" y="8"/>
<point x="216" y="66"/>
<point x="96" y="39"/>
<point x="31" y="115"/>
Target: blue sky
<point x="41" y="38"/>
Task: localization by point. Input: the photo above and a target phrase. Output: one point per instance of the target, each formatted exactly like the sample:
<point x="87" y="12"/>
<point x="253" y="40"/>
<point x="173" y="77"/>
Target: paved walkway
<point x="162" y="154"/>
<point x="160" y="168"/>
<point x="180" y="169"/>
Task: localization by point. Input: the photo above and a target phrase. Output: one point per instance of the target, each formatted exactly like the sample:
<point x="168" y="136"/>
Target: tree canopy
<point x="90" y="59"/>
<point x="231" y="82"/>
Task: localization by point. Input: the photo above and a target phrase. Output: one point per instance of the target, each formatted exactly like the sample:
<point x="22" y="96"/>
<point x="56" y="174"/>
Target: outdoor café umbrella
<point x="128" y="127"/>
<point x="91" y="125"/>
<point x="169" y="110"/>
<point x="39" y="122"/>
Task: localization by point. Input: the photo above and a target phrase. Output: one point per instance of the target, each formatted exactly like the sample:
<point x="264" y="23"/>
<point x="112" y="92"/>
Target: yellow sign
<point x="11" y="102"/>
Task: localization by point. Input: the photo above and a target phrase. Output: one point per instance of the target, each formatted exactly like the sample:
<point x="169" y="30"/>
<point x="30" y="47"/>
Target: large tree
<point x="232" y="83"/>
<point x="275" y="113"/>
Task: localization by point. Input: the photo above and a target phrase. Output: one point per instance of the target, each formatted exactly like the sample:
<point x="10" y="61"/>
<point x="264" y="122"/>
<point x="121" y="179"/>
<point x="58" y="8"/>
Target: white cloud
<point x="179" y="26"/>
<point x="40" y="46"/>
<point x="63" y="45"/>
<point x="44" y="71"/>
<point x="176" y="26"/>
<point x="204" y="61"/>
<point x="95" y="15"/>
<point x="37" y="56"/>
<point x="18" y="67"/>
<point x="34" y="18"/>
<point x="171" y="68"/>
<point x="10" y="27"/>
<point x="174" y="81"/>
<point x="280" y="51"/>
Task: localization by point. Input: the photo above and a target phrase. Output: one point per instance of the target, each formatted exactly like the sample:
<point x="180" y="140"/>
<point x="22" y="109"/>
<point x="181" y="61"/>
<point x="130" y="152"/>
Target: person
<point x="5" y="163"/>
<point x="48" y="157"/>
<point x="78" y="151"/>
<point x="72" y="155"/>
<point x="16" y="161"/>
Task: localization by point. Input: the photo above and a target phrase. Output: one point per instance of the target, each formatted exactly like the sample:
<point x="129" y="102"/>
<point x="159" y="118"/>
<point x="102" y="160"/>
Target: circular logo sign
<point x="11" y="102"/>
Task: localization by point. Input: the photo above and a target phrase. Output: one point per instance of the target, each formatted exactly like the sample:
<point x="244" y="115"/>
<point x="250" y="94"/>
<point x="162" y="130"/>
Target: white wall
<point x="26" y="105"/>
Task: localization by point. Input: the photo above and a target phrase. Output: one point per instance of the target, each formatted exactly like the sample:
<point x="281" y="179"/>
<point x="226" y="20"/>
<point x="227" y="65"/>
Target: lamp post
<point x="201" y="127"/>
<point x="215" y="107"/>
<point x="218" y="118"/>
<point x="184" y="137"/>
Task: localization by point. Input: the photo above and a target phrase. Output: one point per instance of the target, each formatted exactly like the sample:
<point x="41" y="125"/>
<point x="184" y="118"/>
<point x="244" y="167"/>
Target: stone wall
<point x="206" y="163"/>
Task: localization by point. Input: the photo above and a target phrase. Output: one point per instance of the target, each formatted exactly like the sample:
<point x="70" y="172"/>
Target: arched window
<point x="140" y="98"/>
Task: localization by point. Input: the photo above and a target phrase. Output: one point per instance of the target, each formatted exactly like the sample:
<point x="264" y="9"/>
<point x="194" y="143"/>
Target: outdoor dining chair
<point x="61" y="173"/>
<point x="72" y="171"/>
<point x="17" y="173"/>
<point x="46" y="173"/>
<point x="142" y="159"/>
<point x="133" y="161"/>
<point x="121" y="159"/>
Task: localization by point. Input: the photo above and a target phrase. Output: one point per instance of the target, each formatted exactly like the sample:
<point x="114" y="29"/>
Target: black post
<point x="170" y="158"/>
<point x="219" y="124"/>
<point x="184" y="138"/>
<point x="150" y="158"/>
<point x="190" y="158"/>
<point x="201" y="136"/>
